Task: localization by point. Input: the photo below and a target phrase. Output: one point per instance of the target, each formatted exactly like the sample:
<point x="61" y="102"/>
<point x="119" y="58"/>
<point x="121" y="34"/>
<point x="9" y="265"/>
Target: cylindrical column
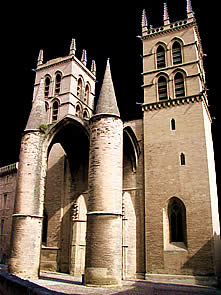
<point x="104" y="219"/>
<point x="27" y="218"/>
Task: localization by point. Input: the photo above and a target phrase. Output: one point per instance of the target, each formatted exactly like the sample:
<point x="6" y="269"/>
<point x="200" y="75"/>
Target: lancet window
<point x="58" y="83"/>
<point x="179" y="85"/>
<point x="177" y="53"/>
<point x="47" y="86"/>
<point x="55" y="109"/>
<point x="162" y="88"/>
<point x="177" y="220"/>
<point x="161" y="59"/>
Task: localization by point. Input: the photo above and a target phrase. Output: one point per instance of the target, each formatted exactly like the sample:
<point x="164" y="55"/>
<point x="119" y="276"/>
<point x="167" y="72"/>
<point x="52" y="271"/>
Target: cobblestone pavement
<point x="66" y="284"/>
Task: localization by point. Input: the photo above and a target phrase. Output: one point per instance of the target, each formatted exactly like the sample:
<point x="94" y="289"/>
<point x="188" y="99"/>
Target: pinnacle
<point x="107" y="103"/>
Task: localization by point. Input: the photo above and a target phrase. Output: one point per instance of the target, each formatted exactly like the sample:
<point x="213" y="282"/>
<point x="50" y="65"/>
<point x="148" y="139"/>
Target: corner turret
<point x="103" y="264"/>
<point x="38" y="113"/>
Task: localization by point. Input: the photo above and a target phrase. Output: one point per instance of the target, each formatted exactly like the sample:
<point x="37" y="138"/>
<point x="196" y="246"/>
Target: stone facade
<point x="8" y="176"/>
<point x="112" y="199"/>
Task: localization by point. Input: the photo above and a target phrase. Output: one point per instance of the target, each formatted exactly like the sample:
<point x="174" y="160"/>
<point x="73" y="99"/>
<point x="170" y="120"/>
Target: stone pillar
<point x="104" y="219"/>
<point x="28" y="213"/>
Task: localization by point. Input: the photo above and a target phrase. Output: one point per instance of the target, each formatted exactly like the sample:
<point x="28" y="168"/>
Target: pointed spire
<point x="144" y="22"/>
<point x="38" y="113"/>
<point x="166" y="18"/>
<point x="84" y="57"/>
<point x="93" y="67"/>
<point x="189" y="10"/>
<point x="72" y="47"/>
<point x="107" y="102"/>
<point x="40" y="58"/>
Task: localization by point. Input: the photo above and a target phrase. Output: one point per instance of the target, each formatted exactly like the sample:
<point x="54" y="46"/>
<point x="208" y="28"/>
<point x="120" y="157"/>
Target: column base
<point x="24" y="259"/>
<point x="95" y="277"/>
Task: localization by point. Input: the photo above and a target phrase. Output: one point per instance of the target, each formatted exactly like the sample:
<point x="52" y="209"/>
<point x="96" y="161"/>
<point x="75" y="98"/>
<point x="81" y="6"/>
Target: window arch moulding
<point x="175" y="225"/>
<point x="160" y="55"/>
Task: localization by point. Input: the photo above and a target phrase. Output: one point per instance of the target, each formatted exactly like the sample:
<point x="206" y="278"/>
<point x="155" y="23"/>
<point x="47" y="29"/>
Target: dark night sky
<point x="104" y="31"/>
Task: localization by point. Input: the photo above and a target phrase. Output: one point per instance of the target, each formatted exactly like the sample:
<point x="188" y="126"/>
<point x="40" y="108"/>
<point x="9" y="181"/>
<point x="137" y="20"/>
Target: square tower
<point x="69" y="86"/>
<point x="182" y="220"/>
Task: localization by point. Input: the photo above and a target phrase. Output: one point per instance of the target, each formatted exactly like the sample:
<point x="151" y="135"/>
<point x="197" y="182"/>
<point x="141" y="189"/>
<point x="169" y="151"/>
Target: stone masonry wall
<point x="165" y="177"/>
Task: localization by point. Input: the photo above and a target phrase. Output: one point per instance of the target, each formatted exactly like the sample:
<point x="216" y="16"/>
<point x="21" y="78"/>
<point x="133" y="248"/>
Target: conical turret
<point x="107" y="103"/>
<point x="38" y="113"/>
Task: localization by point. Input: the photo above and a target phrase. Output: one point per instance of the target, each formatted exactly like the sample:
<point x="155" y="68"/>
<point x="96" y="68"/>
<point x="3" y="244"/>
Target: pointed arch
<point x="78" y="111"/>
<point x="86" y="114"/>
<point x="131" y="147"/>
<point x="177" y="221"/>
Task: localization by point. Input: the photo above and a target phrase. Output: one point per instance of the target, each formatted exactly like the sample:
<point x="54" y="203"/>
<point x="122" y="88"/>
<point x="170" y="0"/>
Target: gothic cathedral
<point x="115" y="200"/>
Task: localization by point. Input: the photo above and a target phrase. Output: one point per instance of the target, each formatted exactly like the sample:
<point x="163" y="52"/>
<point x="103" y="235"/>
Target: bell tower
<point x="69" y="86"/>
<point x="182" y="221"/>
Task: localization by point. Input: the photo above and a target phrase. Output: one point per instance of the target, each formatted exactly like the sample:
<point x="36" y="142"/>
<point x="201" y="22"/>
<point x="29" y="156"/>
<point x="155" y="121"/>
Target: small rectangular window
<point x="182" y="159"/>
<point x="173" y="124"/>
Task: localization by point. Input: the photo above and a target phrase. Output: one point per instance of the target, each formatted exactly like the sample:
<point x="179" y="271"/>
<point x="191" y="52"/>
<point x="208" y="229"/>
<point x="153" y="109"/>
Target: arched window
<point x="177" y="53"/>
<point x="173" y="124"/>
<point x="161" y="59"/>
<point x="177" y="220"/>
<point x="78" y="111"/>
<point x="179" y="85"/>
<point x="55" y="108"/>
<point x="182" y="159"/>
<point x="47" y="86"/>
<point x="80" y="88"/>
<point x="85" y="115"/>
<point x="162" y="88"/>
<point x="86" y="94"/>
<point x="58" y="83"/>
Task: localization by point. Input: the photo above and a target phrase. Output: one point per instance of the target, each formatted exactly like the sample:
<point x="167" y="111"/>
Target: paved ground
<point x="66" y="284"/>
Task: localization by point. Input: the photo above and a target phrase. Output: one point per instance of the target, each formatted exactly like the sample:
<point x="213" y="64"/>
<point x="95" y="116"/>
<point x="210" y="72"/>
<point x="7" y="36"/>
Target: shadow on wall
<point x="197" y="264"/>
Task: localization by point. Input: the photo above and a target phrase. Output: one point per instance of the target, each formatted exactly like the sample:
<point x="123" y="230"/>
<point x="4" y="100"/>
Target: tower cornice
<point x="167" y="29"/>
<point x="147" y="107"/>
<point x="66" y="59"/>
